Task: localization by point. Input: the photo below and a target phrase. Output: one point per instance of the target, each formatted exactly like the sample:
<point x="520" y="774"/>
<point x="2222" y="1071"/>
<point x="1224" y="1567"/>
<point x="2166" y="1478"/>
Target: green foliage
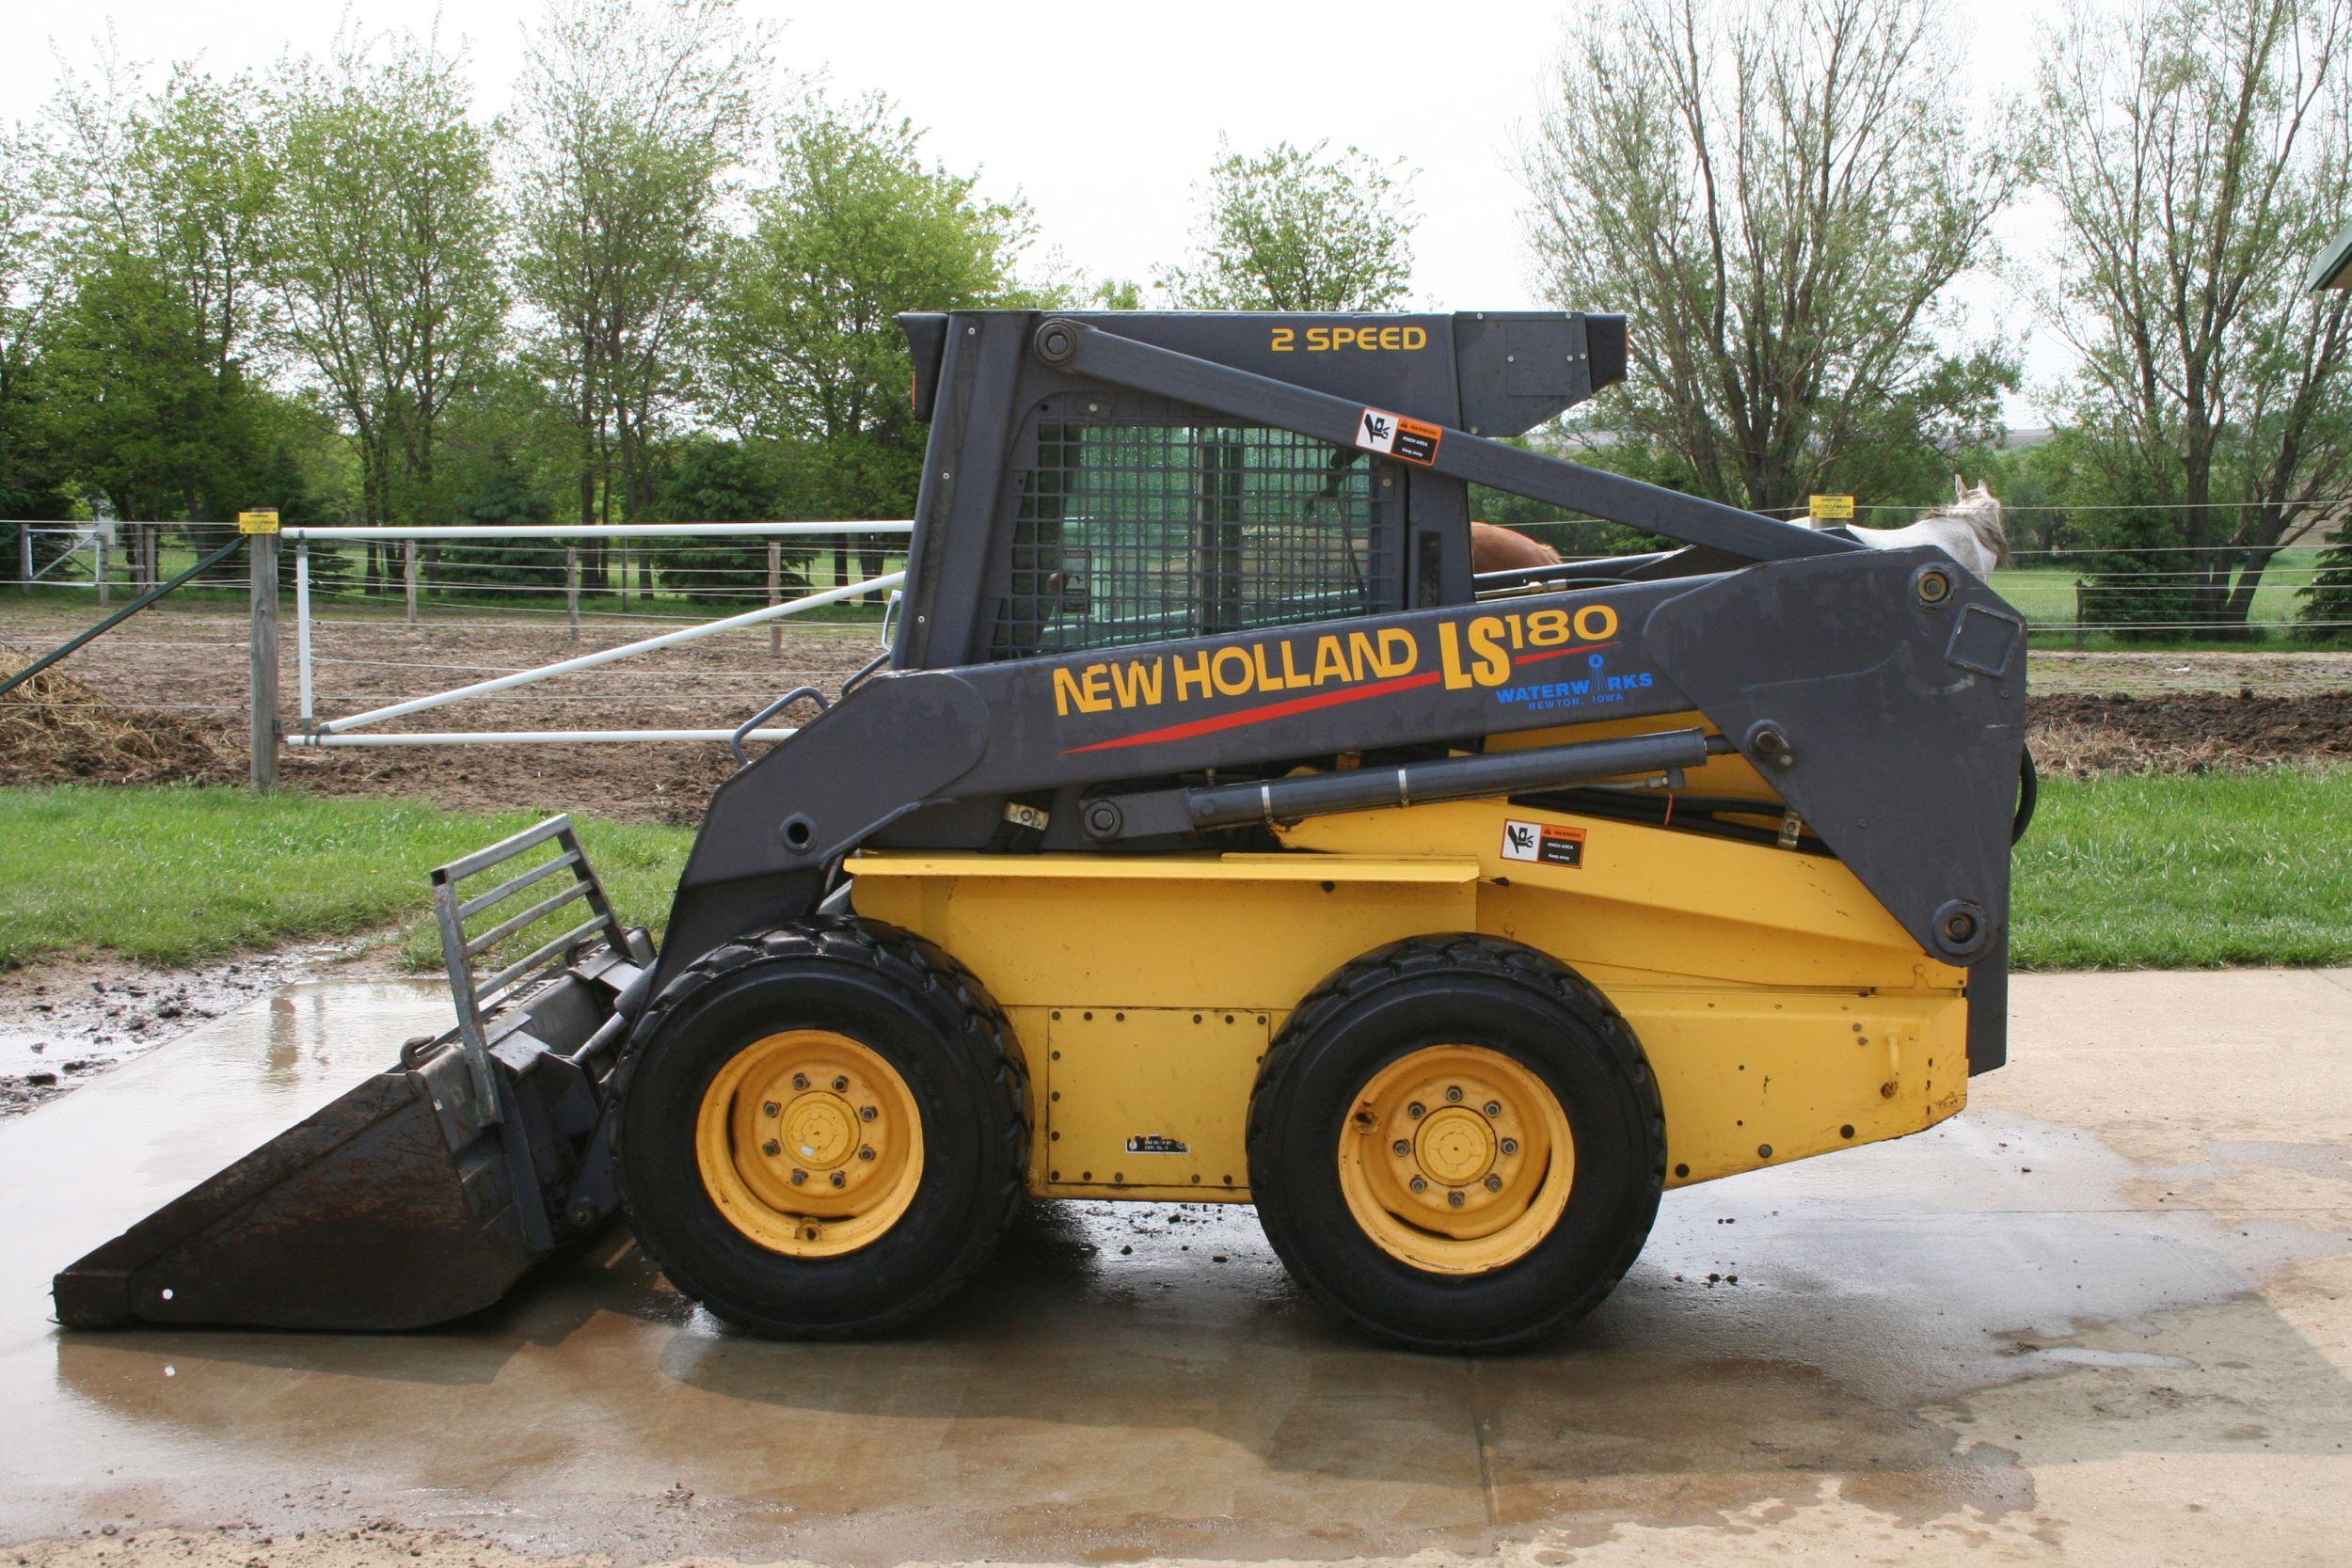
<point x="142" y="407"/>
<point x="2326" y="607"/>
<point x="1779" y="196"/>
<point x="1298" y="228"/>
<point x="385" y="255"/>
<point x="633" y="115"/>
<point x="724" y="481"/>
<point x="2136" y="585"/>
<point x="503" y="497"/>
<point x="2200" y="153"/>
<point x="176" y="876"/>
<point x="858" y="227"/>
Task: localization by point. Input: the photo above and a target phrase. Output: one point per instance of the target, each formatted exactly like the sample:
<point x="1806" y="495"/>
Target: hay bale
<point x="54" y="729"/>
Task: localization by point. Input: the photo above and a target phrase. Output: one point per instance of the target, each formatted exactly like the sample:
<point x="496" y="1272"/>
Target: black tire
<point x="1459" y="990"/>
<point x="908" y="1002"/>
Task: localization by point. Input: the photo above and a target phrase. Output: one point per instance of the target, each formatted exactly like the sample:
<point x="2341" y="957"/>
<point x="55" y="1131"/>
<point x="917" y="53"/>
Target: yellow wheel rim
<point x="809" y="1143"/>
<point x="1456" y="1159"/>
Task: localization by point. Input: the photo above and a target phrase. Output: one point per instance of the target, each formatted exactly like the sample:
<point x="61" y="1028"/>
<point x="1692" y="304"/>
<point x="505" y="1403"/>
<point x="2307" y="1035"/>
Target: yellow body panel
<point x="1142" y="943"/>
<point x="1783" y="1011"/>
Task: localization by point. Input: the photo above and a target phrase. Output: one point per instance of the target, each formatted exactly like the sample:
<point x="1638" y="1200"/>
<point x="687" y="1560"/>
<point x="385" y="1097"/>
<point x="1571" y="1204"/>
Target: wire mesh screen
<point x="1143" y="532"/>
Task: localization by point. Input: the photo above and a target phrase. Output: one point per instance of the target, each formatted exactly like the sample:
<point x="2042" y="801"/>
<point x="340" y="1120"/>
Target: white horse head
<point x="1970" y="530"/>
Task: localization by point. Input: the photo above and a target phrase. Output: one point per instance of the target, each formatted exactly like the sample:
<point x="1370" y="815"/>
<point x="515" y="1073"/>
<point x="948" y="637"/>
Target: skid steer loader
<point x="1215" y="833"/>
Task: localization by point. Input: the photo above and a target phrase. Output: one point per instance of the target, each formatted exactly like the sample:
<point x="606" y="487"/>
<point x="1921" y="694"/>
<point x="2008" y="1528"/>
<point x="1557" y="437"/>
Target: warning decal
<point x="1544" y="843"/>
<point x="1408" y="439"/>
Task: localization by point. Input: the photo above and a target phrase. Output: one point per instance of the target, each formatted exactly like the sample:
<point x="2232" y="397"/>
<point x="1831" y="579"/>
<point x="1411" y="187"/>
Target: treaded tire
<point x="902" y="997"/>
<point x="1456" y="990"/>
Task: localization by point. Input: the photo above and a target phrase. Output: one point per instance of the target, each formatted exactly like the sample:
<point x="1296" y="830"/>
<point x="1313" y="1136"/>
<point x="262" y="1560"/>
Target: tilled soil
<point x="2084" y="736"/>
<point x="2092" y="713"/>
<point x="194" y="667"/>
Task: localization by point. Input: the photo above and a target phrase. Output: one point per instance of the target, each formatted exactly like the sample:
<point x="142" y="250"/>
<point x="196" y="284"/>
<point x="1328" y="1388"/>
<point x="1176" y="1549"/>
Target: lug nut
<point x="839" y="1179"/>
<point x="1493" y="1109"/>
<point x="1402" y="1147"/>
<point x="1494" y="1183"/>
<point x="1418" y="1184"/>
<point x="839" y="1085"/>
<point x="1453" y="1091"/>
<point x="771" y="1148"/>
<point x="867" y="1152"/>
<point x="1453" y="1201"/>
<point x="1415" y="1110"/>
<point x="799" y="1176"/>
<point x="799" y="1080"/>
<point x="1510" y="1145"/>
<point x="771" y="1108"/>
<point x="866" y="1113"/>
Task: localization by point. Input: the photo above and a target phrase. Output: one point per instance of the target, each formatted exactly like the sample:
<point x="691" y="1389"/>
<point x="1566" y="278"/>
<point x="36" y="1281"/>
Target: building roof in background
<point x="2333" y="270"/>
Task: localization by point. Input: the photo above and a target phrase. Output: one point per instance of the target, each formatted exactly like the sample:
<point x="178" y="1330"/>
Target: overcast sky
<point x="1104" y="116"/>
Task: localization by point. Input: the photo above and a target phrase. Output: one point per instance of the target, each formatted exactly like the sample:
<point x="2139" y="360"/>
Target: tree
<point x="2324" y="603"/>
<point x="1778" y="195"/>
<point x="2201" y="152"/>
<point x="386" y="258"/>
<point x="164" y="199"/>
<point x="1298" y="228"/>
<point x="713" y="480"/>
<point x="143" y="415"/>
<point x="31" y="480"/>
<point x="633" y="114"/>
<point x="857" y="227"/>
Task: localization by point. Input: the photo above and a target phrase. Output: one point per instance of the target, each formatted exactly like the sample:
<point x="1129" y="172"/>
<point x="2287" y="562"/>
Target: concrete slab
<point x="2103" y="1316"/>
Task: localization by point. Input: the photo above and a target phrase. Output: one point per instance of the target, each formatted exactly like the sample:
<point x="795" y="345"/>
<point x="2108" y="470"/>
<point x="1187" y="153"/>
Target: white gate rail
<point x="339" y="731"/>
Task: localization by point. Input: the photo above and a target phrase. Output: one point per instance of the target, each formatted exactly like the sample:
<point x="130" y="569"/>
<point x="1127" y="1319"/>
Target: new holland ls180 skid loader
<point x="1215" y="833"/>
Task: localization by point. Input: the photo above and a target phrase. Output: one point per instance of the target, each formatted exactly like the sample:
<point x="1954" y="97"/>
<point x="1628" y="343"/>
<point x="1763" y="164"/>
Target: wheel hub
<point x="1454" y="1147"/>
<point x="809" y="1143"/>
<point x="1458" y="1159"/>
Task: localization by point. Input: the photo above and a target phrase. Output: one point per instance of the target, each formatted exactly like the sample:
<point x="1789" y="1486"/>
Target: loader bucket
<point x="426" y="1190"/>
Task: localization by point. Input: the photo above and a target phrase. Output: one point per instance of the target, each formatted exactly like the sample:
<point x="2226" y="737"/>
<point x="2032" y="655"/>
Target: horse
<point x="1970" y="530"/>
<point x="1496" y="549"/>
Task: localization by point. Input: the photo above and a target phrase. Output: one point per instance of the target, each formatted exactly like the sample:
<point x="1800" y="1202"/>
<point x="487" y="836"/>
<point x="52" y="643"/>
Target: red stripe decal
<point x="1260" y="715"/>
<point x="1306" y="705"/>
<point x="1562" y="652"/>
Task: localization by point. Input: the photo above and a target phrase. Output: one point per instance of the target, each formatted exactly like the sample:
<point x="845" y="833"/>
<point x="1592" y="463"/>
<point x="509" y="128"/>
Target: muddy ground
<point x="65" y="1019"/>
<point x="2093" y="713"/>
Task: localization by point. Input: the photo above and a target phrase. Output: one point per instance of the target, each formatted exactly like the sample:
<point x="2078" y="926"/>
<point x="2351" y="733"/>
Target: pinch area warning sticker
<point x="1545" y="843"/>
<point x="1406" y="439"/>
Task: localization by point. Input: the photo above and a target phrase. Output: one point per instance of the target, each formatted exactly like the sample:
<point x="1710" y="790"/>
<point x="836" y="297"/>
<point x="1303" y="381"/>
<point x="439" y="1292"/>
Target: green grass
<point x="2045" y="595"/>
<point x="177" y="876"/>
<point x="2172" y="871"/>
<point x="2187" y="871"/>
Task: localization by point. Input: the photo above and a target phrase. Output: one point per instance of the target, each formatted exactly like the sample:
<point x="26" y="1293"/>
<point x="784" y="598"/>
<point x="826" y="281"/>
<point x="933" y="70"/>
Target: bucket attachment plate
<point x="426" y="1191"/>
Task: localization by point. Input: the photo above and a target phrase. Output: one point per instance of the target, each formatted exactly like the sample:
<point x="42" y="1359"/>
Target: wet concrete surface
<point x="2108" y="1313"/>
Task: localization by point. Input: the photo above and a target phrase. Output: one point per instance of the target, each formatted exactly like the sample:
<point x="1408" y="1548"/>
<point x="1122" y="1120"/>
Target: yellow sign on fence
<point x="264" y="521"/>
<point x="1833" y="509"/>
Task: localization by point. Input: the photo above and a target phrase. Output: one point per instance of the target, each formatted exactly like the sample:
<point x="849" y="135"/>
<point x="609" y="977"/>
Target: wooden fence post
<point x="98" y="550"/>
<point x="262" y="549"/>
<point x="25" y="555"/>
<point x="571" y="588"/>
<point x="409" y="571"/>
<point x="775" y="583"/>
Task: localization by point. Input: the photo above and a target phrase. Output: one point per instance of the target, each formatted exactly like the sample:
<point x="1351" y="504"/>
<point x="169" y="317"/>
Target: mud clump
<point x="55" y="729"/>
<point x="2084" y="735"/>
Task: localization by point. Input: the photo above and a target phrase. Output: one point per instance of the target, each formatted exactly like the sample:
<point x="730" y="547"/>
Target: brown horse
<point x="1496" y="549"/>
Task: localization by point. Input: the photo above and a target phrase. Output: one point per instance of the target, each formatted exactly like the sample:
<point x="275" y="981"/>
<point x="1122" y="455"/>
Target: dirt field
<point x="195" y="666"/>
<point x="2092" y="713"/>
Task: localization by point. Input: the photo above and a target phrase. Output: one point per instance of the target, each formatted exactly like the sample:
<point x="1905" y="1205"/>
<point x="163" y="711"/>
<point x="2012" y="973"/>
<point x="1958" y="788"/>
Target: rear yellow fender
<point x="1783" y="1011"/>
